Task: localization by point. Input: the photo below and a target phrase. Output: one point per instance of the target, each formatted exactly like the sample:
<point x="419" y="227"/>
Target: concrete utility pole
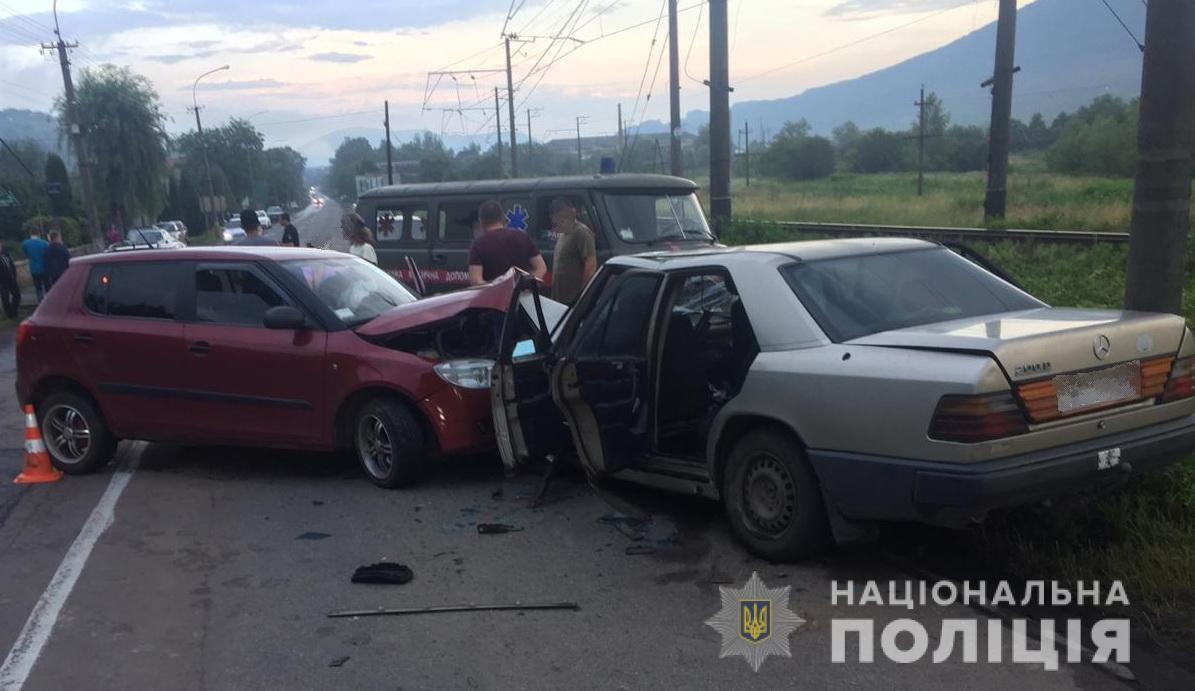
<point x="1166" y="141"/>
<point x="389" y="159"/>
<point x="719" y="83"/>
<point x="920" y="140"/>
<point x="677" y="167"/>
<point x="498" y="127"/>
<point x="622" y="139"/>
<point x="207" y="168"/>
<point x="1001" y="128"/>
<point x="510" y="101"/>
<point x="747" y="149"/>
<point x="77" y="131"/>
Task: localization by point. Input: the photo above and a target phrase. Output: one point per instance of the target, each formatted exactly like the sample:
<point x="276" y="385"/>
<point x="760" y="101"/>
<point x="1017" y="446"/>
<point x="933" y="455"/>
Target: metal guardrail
<point x="1070" y="237"/>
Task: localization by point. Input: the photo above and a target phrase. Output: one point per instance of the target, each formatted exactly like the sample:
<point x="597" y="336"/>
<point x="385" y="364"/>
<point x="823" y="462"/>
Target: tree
<point x="126" y="131"/>
<point x="58" y="186"/>
<point x="281" y="175"/>
<point x="796" y="155"/>
<point x="21" y="196"/>
<point x="881" y="151"/>
<point x="236" y="148"/>
<point x="355" y="156"/>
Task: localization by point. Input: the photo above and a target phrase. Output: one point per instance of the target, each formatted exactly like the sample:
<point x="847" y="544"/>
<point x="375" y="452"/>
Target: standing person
<point x="252" y="228"/>
<point x="10" y="289"/>
<point x="359" y="237"/>
<point x="113" y="234"/>
<point x="574" y="260"/>
<point x="290" y="234"/>
<point x="499" y="248"/>
<point x="58" y="258"/>
<point x="35" y="251"/>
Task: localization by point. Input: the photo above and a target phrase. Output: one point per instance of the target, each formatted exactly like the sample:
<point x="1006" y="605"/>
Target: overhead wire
<point x="1127" y="30"/>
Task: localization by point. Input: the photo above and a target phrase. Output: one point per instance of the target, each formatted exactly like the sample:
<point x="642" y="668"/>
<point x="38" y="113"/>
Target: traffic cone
<point x="37" y="462"/>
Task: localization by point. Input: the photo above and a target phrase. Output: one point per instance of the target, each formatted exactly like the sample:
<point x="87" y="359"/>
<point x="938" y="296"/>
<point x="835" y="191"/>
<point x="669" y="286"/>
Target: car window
<point x="233" y="296"/>
<point x="855" y="296"/>
<point x="355" y="290"/>
<point x="617" y="327"/>
<point x="147" y="290"/>
<point x="458" y="221"/>
<point x="95" y="294"/>
<point x="403" y="224"/>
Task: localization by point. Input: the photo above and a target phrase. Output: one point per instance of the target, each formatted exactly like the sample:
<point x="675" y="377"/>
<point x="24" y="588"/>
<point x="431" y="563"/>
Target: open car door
<point x="527" y="423"/>
<point x="602" y="379"/>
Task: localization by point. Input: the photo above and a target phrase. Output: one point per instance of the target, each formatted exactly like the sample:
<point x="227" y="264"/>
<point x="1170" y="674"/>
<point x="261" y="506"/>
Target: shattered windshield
<point x="354" y="289"/>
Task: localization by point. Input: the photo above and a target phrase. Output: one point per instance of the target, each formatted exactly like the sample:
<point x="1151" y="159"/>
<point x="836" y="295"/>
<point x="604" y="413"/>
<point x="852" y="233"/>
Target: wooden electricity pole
<point x="719" y="84"/>
<point x="1165" y="139"/>
<point x="389" y="159"/>
<point x="1001" y="128"/>
<point x="510" y="101"/>
<point x="498" y="128"/>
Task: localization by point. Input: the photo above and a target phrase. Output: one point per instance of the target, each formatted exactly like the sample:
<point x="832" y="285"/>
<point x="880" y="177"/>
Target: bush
<point x="73" y="232"/>
<point x="798" y="158"/>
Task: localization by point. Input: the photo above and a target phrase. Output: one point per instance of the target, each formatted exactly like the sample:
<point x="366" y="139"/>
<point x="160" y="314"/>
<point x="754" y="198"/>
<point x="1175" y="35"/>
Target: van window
<point x="143" y="289"/>
<point x="458" y="221"/>
<point x="541" y="227"/>
<point x="402" y="224"/>
<point x="651" y="217"/>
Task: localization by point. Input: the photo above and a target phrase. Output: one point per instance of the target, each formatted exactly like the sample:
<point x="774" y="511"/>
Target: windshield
<point x="355" y="290"/>
<point x="856" y="296"/>
<point x="648" y="218"/>
<point x="145" y="235"/>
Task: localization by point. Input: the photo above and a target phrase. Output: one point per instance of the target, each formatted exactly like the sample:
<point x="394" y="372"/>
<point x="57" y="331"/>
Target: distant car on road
<point x="264" y="220"/>
<point x="816" y="387"/>
<point x="262" y="346"/>
<point x="147" y="238"/>
<point x="274" y="212"/>
<point x="176" y="228"/>
<point x="232" y="230"/>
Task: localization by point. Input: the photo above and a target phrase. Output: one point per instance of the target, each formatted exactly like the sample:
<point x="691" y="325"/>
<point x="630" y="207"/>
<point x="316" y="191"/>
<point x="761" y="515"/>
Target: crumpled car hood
<point x="494" y="295"/>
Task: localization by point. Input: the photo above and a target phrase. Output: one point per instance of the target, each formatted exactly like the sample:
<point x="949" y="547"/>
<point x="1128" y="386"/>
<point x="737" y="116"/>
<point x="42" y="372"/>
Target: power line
<point x="1127" y="30"/>
<point x="693" y="41"/>
<point x="319" y="117"/>
<point x="852" y="44"/>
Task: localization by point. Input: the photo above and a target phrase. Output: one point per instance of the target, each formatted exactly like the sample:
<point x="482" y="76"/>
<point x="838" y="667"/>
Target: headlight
<point x="468" y="374"/>
<point x="227" y="236"/>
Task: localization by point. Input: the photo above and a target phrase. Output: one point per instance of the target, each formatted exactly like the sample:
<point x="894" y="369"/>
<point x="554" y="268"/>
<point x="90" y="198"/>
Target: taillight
<point x="1182" y="380"/>
<point x="976" y="418"/>
<point x="24" y="330"/>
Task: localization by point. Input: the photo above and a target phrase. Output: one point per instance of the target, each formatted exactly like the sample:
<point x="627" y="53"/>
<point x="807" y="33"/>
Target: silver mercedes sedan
<point x="818" y="387"/>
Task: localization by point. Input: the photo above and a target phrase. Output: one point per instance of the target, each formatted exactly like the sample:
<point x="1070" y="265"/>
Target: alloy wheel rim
<point x="66" y="433"/>
<point x="374" y="446"/>
<point x="769" y="496"/>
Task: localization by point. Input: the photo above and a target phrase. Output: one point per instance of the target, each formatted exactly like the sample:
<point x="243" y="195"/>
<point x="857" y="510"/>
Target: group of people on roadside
<point x="48" y="260"/>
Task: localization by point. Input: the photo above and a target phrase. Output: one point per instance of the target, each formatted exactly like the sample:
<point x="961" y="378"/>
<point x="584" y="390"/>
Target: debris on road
<point x="497" y="528"/>
<point x="312" y="536"/>
<point x="640" y="549"/>
<point x="518" y="606"/>
<point x="383" y="573"/>
<point x="339" y="662"/>
<point x="496" y="494"/>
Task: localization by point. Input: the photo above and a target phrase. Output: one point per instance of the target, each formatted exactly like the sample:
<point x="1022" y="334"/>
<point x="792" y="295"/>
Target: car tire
<point x="75" y="433"/>
<point x="772" y="497"/>
<point x="389" y="443"/>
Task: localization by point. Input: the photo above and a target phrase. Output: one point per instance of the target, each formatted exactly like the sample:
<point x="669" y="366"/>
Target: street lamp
<point x="211" y="191"/>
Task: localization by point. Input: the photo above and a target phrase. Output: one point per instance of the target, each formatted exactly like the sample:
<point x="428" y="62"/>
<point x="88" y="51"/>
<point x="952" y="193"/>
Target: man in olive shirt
<point x="575" y="257"/>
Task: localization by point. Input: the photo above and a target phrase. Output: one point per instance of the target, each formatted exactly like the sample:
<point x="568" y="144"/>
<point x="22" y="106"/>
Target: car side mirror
<point x="284" y="318"/>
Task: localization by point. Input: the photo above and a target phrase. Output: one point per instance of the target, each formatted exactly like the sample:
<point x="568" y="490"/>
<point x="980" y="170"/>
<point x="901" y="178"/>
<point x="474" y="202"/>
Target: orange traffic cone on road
<point x="37" y="462"/>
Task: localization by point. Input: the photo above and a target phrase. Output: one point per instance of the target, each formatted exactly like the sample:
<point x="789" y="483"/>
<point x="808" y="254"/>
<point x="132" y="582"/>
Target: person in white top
<point x="359" y="237"/>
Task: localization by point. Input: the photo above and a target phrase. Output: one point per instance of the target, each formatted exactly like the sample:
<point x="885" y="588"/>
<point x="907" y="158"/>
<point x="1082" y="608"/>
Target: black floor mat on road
<point x="384" y="573"/>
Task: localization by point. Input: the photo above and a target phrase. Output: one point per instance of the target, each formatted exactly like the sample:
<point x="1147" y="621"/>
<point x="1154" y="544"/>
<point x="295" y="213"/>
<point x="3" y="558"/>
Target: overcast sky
<point x="329" y="65"/>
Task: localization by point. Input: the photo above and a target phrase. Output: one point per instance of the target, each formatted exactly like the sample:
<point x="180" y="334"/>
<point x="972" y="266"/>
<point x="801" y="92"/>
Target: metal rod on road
<point x="453" y="608"/>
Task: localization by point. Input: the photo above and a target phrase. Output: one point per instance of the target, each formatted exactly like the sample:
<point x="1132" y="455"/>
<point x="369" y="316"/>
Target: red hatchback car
<point x="262" y="346"/>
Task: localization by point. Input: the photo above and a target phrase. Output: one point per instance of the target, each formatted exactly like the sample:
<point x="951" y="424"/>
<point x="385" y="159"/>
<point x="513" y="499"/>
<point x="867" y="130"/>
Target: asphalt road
<point x="220" y="565"/>
<point x="318" y="225"/>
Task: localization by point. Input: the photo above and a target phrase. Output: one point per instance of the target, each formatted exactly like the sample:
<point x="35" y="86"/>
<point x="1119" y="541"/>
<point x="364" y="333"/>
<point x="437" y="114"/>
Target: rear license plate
<point x="1107" y="386"/>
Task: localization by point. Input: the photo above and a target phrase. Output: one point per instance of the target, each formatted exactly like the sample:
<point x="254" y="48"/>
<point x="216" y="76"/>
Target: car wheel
<point x="389" y="443"/>
<point x="772" y="498"/>
<point x="75" y="434"/>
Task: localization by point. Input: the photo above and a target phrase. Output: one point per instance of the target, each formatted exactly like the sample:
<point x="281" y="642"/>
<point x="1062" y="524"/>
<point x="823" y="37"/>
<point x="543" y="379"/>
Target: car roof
<point x="228" y="253"/>
<point x="619" y="181"/>
<point x="803" y="250"/>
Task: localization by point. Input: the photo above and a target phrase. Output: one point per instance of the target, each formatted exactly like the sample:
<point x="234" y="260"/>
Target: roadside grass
<point x="1142" y="534"/>
<point x="1036" y="200"/>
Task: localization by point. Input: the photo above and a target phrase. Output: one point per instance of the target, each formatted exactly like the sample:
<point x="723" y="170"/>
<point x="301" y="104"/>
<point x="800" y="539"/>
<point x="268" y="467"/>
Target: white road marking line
<point x="40" y="624"/>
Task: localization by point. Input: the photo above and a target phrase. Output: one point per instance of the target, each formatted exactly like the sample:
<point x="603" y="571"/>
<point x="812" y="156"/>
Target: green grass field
<point x="1142" y="534"/>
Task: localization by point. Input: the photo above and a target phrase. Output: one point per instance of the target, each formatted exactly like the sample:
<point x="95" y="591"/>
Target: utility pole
<point x="207" y="168"/>
<point x="77" y="131"/>
<point x="677" y="167"/>
<point x="719" y="83"/>
<point x="1166" y="141"/>
<point x="498" y="128"/>
<point x="530" y="152"/>
<point x="389" y="160"/>
<point x="580" y="119"/>
<point x="998" y="138"/>
<point x="622" y="139"/>
<point x="747" y="148"/>
<point x="510" y="101"/>
<point x="920" y="140"/>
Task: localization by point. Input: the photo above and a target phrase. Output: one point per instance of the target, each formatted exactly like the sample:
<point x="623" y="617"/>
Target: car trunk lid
<point x="1060" y="361"/>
